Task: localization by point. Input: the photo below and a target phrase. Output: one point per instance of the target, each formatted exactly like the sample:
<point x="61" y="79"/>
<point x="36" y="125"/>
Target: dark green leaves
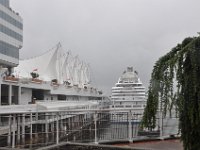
<point x="179" y="68"/>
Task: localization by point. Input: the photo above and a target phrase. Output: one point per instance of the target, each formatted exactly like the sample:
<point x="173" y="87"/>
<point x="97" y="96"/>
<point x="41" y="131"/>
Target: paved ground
<point x="157" y="145"/>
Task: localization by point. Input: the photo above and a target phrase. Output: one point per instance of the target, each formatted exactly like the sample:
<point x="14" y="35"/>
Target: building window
<point x="11" y="33"/>
<point x="11" y="20"/>
<point x="4" y="3"/>
<point x="9" y="50"/>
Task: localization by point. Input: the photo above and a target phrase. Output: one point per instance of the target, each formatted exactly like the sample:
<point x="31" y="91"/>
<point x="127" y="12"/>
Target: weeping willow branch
<point x="180" y="67"/>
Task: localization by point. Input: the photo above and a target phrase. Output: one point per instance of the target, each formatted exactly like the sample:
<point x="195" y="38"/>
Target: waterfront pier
<point x="36" y="126"/>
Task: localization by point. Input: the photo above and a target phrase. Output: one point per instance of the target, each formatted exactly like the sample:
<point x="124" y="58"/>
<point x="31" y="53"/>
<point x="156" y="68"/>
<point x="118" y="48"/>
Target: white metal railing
<point x="78" y="125"/>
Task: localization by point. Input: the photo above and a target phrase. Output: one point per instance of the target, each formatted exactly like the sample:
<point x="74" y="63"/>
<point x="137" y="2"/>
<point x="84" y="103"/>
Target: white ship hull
<point x="118" y="118"/>
<point x="128" y="93"/>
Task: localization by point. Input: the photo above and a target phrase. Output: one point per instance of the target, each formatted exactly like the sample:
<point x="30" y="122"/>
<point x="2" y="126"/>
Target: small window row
<point x="11" y="20"/>
<point x="9" y="50"/>
<point x="11" y="33"/>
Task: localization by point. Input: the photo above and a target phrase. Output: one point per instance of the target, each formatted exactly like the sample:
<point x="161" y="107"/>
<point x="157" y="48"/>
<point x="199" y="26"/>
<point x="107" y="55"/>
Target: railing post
<point x="0" y="96"/>
<point x="61" y="125"/>
<point x="36" y="127"/>
<point x="95" y="128"/>
<point x="69" y="124"/>
<point x="57" y="129"/>
<point x="52" y="126"/>
<point x="31" y="127"/>
<point x="129" y="126"/>
<point x="23" y="128"/>
<point x="9" y="131"/>
<point x="13" y="131"/>
<point x="46" y="125"/>
<point x="18" y="128"/>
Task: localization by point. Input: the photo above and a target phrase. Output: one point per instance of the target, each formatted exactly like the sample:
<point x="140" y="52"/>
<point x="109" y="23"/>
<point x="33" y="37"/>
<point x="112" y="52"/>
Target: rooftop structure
<point x="54" y="75"/>
<point x="56" y="64"/>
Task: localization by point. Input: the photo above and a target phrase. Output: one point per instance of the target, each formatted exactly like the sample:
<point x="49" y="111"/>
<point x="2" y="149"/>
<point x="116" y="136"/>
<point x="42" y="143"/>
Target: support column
<point x="69" y="126"/>
<point x="9" y="131"/>
<point x="76" y="120"/>
<point x="19" y="94"/>
<point x="52" y="126"/>
<point x="36" y="126"/>
<point x="23" y="128"/>
<point x="10" y="94"/>
<point x="129" y="126"/>
<point x="84" y="119"/>
<point x="79" y="121"/>
<point x="18" y="128"/>
<point x="95" y="129"/>
<point x="61" y="125"/>
<point x="0" y="101"/>
<point x="0" y="93"/>
<point x="13" y="131"/>
<point x="31" y="127"/>
<point x="46" y="126"/>
<point x="72" y="121"/>
<point x="57" y="129"/>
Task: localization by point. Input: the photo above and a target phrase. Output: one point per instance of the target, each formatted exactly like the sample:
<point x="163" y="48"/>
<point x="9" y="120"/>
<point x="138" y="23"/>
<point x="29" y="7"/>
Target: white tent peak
<point x="51" y="49"/>
<point x="56" y="64"/>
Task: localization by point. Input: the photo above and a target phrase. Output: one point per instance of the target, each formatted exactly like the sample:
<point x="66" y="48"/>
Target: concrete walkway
<point x="156" y="145"/>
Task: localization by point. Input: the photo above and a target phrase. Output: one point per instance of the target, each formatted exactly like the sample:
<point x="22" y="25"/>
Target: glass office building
<point x="11" y="35"/>
<point x="5" y="3"/>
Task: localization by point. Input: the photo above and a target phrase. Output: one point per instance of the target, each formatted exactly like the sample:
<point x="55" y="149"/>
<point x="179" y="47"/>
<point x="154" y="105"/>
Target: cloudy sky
<point x="108" y="34"/>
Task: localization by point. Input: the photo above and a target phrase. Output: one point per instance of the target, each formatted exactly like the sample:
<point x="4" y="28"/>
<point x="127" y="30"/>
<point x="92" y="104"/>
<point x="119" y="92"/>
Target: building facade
<point x="11" y="36"/>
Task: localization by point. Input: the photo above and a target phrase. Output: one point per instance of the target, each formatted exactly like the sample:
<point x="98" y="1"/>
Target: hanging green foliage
<point x="180" y="67"/>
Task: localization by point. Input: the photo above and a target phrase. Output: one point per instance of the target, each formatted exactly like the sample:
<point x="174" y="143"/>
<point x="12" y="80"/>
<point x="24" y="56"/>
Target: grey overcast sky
<point x="108" y="34"/>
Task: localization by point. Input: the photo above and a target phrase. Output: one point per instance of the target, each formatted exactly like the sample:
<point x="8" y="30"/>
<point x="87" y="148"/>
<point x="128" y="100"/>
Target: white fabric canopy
<point x="44" y="65"/>
<point x="55" y="64"/>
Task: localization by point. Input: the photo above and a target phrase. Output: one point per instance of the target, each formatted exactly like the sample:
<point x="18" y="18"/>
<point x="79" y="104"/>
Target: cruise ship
<point x="129" y="93"/>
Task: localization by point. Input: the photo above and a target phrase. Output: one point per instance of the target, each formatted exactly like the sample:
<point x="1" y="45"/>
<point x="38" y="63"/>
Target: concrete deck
<point x="174" y="144"/>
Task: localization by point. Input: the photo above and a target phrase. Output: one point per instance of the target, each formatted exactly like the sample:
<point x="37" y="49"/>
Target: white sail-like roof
<point x="55" y="64"/>
<point x="67" y="68"/>
<point x="76" y="70"/>
<point x="44" y="65"/>
<point x="87" y="74"/>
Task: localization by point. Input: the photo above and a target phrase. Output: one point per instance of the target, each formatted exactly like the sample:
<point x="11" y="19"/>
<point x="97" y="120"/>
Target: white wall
<point x="26" y="95"/>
